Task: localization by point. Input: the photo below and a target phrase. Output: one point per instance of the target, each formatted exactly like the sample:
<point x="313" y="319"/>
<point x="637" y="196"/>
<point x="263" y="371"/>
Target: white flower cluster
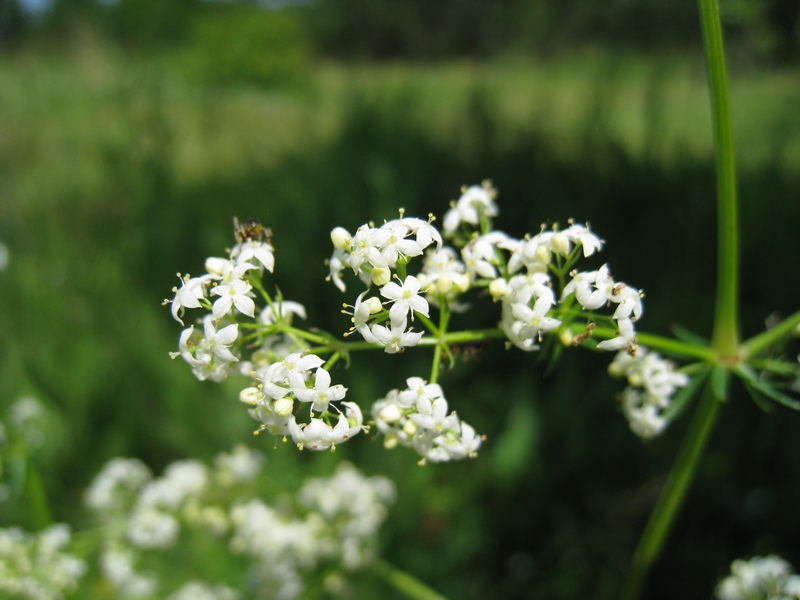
<point x="378" y="255"/>
<point x="210" y="355"/>
<point x="760" y="578"/>
<point x="417" y="417"/>
<point x="652" y="383"/>
<point x="335" y="524"/>
<point x="301" y="377"/>
<point x="285" y="375"/>
<point x="36" y="566"/>
<point x="595" y="289"/>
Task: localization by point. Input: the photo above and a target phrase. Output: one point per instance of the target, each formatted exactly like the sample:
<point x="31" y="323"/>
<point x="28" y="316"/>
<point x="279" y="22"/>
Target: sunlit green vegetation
<point x="118" y="170"/>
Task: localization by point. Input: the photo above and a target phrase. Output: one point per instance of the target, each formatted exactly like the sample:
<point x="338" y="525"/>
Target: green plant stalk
<point x="410" y="586"/>
<point x="673" y="494"/>
<point x="725" y="335"/>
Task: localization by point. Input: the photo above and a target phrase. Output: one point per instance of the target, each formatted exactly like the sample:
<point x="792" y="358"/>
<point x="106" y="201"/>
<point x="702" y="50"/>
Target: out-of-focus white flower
<point x="36" y="566"/>
<point x="473" y="201"/>
<point x="198" y="590"/>
<point x="150" y="528"/>
<point x="118" y="565"/>
<point x="761" y="577"/>
<point x="117" y="485"/>
<point x="5" y="256"/>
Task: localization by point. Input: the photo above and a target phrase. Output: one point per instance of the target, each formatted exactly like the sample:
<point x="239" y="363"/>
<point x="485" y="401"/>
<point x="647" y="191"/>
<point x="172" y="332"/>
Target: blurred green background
<point x="132" y="131"/>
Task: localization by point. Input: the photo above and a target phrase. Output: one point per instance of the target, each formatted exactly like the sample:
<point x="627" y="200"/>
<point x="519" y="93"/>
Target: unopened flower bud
<point x="374" y="304"/>
<point x="497" y="288"/>
<point x="215" y="265"/>
<point x="283" y="407"/>
<point x="410" y="428"/>
<point x="543" y="254"/>
<point x="340" y="238"/>
<point x="461" y="282"/>
<point x="444" y="285"/>
<point x="390" y="413"/>
<point x="560" y="243"/>
<point x="381" y="276"/>
<point x="251" y="395"/>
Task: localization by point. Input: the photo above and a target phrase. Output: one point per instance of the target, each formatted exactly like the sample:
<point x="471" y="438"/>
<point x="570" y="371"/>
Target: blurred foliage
<point x="250" y="45"/>
<point x="112" y="178"/>
<point x="757" y="30"/>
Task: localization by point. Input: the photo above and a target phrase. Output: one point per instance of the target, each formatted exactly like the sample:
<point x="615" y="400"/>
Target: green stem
<point x="725" y="338"/>
<point x="663" y="344"/>
<point x="759" y="342"/>
<point x="673" y="494"/>
<point x="405" y="583"/>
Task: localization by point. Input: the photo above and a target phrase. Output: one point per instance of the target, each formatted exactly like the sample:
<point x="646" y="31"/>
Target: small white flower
<point x="322" y="393"/>
<point x="580" y="234"/>
<point x="625" y="340"/>
<point x="189" y="295"/>
<point x="406" y="300"/>
<point x="261" y="251"/>
<point x="236" y="293"/>
<point x="217" y="343"/>
<point x="473" y="200"/>
<point x="395" y="339"/>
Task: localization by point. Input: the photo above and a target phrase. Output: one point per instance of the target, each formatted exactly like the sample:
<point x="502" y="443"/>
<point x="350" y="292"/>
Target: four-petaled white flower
<point x="406" y="299"/>
<point x="396" y="338"/>
<point x="322" y="393"/>
<point x="236" y="293"/>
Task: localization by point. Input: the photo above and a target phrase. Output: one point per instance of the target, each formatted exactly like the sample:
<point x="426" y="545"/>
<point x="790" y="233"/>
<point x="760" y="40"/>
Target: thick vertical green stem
<point x="725" y="337"/>
<point x="673" y="494"/>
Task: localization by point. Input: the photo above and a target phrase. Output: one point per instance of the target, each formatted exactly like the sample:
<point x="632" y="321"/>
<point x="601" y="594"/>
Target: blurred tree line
<point x="762" y="30"/>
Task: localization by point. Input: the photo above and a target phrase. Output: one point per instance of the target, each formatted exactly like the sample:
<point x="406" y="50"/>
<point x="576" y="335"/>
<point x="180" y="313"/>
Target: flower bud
<point x="560" y="243"/>
<point x="390" y="413"/>
<point x="251" y="395"/>
<point x="283" y="407"/>
<point x="374" y="304"/>
<point x="340" y="238"/>
<point x="215" y="265"/>
<point x="497" y="288"/>
<point x="381" y="276"/>
<point x="444" y="284"/>
<point x="543" y="254"/>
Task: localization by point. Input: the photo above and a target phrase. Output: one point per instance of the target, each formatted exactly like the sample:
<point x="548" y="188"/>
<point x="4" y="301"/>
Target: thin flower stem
<point x="407" y="584"/>
<point x="663" y="344"/>
<point x="673" y="494"/>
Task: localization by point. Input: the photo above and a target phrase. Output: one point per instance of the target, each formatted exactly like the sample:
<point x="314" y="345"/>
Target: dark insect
<point x="250" y="230"/>
<point x="468" y="351"/>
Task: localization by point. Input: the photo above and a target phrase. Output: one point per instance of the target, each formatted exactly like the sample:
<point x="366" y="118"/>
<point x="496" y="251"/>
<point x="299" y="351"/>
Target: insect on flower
<point x="250" y="230"/>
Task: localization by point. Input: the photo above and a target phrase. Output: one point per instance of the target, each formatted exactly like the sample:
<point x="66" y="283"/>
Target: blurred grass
<point x="57" y="109"/>
<point x="116" y="172"/>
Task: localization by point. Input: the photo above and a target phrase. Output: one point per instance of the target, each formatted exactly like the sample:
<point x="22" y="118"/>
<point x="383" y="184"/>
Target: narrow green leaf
<point x="690" y="337"/>
<point x="762" y="402"/>
<point x="681" y="400"/>
<point x="720" y="376"/>
<point x="773" y="394"/>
